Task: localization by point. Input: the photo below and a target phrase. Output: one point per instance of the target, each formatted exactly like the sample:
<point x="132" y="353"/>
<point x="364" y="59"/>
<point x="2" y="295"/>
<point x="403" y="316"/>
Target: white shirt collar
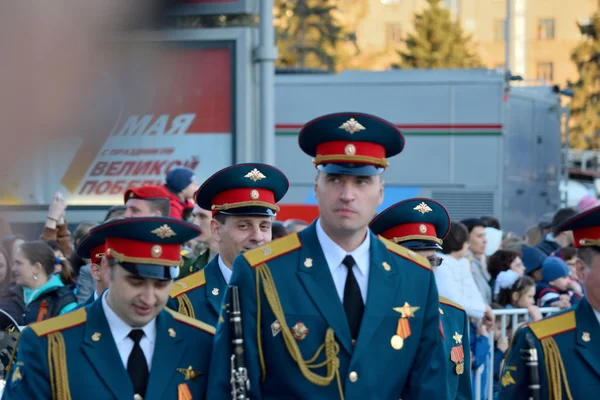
<point x="96" y="295"/>
<point x="120" y="329"/>
<point x="224" y="270"/>
<point x="334" y="254"/>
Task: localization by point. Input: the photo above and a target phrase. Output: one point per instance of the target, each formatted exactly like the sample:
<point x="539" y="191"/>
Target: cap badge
<point x="299" y="331"/>
<point x="352" y="126"/>
<point x="255" y="175"/>
<point x="423" y="208"/>
<point x="254" y="194"/>
<point x="350" y="150"/>
<point x="164" y="231"/>
<point x="422" y="229"/>
<point x="156" y="251"/>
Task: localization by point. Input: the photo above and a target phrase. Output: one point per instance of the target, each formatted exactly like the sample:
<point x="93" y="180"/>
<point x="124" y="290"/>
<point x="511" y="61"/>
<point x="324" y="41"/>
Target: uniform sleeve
<point x="513" y="378"/>
<point x="429" y="368"/>
<point x="464" y="391"/>
<point x="29" y="379"/>
<point x="219" y="385"/>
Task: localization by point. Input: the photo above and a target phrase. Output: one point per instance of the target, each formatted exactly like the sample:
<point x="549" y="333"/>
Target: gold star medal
<point x="457" y="354"/>
<point x="403" y="328"/>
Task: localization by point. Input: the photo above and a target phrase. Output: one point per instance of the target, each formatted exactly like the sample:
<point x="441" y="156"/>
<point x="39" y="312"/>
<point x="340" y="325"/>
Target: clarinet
<point x="531" y="360"/>
<point x="240" y="385"/>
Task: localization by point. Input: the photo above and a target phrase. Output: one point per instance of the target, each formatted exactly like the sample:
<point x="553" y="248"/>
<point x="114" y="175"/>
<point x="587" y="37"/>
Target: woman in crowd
<point x="5" y="274"/>
<point x="504" y="260"/>
<point x="11" y="243"/>
<point x="38" y="293"/>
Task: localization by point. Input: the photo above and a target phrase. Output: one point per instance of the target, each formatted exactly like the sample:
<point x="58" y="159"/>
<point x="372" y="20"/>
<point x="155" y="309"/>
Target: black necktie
<point x="353" y="302"/>
<point x="137" y="367"/>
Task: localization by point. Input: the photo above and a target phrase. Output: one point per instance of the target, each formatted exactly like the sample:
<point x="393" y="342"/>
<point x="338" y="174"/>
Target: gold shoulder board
<point x="448" y="302"/>
<point x="59" y="323"/>
<point x="554" y="325"/>
<point x="192" y="322"/>
<point x="269" y="251"/>
<point x="405" y="253"/>
<point x="184" y="285"/>
<point x="184" y="252"/>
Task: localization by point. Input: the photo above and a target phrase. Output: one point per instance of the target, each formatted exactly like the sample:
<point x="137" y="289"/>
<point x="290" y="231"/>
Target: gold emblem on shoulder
<point x="586" y="337"/>
<point x="255" y="175"/>
<point x="308" y="263"/>
<point x="156" y="251"/>
<point x="507" y="379"/>
<point x="17" y="375"/>
<point x="352" y="126"/>
<point x="423" y="208"/>
<point x="164" y="231"/>
<point x="386" y="266"/>
<point x="96" y="336"/>
<point x="172" y="332"/>
<point x="266" y="251"/>
<point x="350" y="149"/>
<point x="254" y="195"/>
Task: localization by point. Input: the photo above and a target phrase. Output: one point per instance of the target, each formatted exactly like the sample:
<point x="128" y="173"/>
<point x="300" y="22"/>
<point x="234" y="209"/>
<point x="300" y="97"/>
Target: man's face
<point x="202" y="218"/>
<point x="239" y="234"/>
<point x="589" y="275"/>
<point x="190" y="190"/>
<point x="135" y="208"/>
<point x="347" y="203"/>
<point x="137" y="301"/>
<point x="430" y="256"/>
<point x="477" y="240"/>
<point x="101" y="274"/>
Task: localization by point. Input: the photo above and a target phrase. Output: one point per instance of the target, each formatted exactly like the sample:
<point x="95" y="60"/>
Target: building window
<point x="499" y="29"/>
<point x="393" y="33"/>
<point x="545" y="70"/>
<point x="546" y="29"/>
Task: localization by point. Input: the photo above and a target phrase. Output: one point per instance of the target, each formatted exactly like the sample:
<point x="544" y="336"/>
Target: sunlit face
<point x="240" y="233"/>
<point x="517" y="266"/>
<point x="526" y="299"/>
<point x="477" y="240"/>
<point x="190" y="190"/>
<point x="561" y="283"/>
<point x="25" y="272"/>
<point x="430" y="255"/>
<point x="101" y="274"/>
<point x="202" y="218"/>
<point x="135" y="208"/>
<point x="136" y="300"/>
<point x="590" y="278"/>
<point x="4" y="265"/>
<point x="347" y="203"/>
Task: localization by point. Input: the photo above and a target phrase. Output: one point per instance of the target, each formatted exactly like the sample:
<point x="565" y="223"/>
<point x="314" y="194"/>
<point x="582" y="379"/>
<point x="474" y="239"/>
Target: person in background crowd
<point x="532" y="259"/>
<point x="56" y="227"/>
<point x="587" y="202"/>
<point x="38" y="293"/>
<point x="199" y="251"/>
<point x="147" y="201"/>
<point x="5" y="229"/>
<point x="533" y="236"/>
<point x="550" y="242"/>
<point x="518" y="292"/>
<point x="504" y="260"/>
<point x="93" y="247"/>
<point x="5" y="272"/>
<point x="512" y="243"/>
<point x="181" y="184"/>
<point x="115" y="212"/>
<point x="11" y="244"/>
<point x="295" y="225"/>
<point x="569" y="256"/>
<point x="85" y="281"/>
<point x="279" y="230"/>
<point x="555" y="290"/>
<point x="455" y="280"/>
<point x="476" y="255"/>
<point x="63" y="267"/>
<point x="493" y="234"/>
<point x="80" y="232"/>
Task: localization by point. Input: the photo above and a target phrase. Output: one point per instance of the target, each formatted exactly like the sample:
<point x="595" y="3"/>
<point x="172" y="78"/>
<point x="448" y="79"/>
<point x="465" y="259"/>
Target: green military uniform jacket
<point x="191" y="264"/>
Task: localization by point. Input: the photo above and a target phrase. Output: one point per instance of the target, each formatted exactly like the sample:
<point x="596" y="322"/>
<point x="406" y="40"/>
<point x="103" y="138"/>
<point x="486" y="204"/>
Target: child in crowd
<point x="569" y="255"/>
<point x="518" y="292"/>
<point x="556" y="289"/>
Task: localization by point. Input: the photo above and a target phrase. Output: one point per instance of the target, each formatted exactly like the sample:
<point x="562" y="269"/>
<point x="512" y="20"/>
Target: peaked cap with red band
<point x="418" y="224"/>
<point x="92" y="247"/>
<point x="147" y="247"/>
<point x="351" y="143"/>
<point x="585" y="227"/>
<point x="146" y="192"/>
<point x="243" y="189"/>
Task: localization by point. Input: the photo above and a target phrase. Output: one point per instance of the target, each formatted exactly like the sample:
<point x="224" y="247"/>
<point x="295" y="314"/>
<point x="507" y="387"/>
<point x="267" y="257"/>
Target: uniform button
<point x="353" y="376"/>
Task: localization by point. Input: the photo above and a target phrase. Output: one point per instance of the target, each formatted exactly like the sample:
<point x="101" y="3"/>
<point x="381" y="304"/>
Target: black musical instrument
<point x="533" y="373"/>
<point x="240" y="384"/>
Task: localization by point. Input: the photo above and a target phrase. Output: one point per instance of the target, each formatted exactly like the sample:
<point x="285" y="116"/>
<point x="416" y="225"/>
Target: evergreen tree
<point x="437" y="42"/>
<point x="585" y="106"/>
<point x="309" y="34"/>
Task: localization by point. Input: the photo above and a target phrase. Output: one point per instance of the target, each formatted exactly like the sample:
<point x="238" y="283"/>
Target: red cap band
<point x="97" y="253"/>
<point x="243" y="197"/>
<point x="133" y="251"/>
<point x="586" y="236"/>
<point x="354" y="152"/>
<point x="417" y="230"/>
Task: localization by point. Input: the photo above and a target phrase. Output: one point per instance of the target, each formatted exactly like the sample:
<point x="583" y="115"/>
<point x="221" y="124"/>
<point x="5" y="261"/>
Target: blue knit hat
<point x="532" y="258"/>
<point x="554" y="268"/>
<point x="179" y="178"/>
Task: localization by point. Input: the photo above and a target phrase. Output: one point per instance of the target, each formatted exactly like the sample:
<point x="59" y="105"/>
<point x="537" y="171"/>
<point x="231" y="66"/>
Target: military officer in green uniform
<point x="125" y="345"/>
<point x="243" y="201"/>
<point x="334" y="312"/>
<point x="559" y="356"/>
<point x="421" y="224"/>
<point x="199" y="251"/>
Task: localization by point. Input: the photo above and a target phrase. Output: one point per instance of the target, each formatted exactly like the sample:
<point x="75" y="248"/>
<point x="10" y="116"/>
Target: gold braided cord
<point x="331" y="347"/>
<point x="399" y="240"/>
<point x="589" y="242"/>
<point x="380" y="162"/>
<point x="555" y="370"/>
<point x="161" y="262"/>
<point x="185" y="306"/>
<point x="261" y="356"/>
<point x="227" y="206"/>
<point x="57" y="366"/>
